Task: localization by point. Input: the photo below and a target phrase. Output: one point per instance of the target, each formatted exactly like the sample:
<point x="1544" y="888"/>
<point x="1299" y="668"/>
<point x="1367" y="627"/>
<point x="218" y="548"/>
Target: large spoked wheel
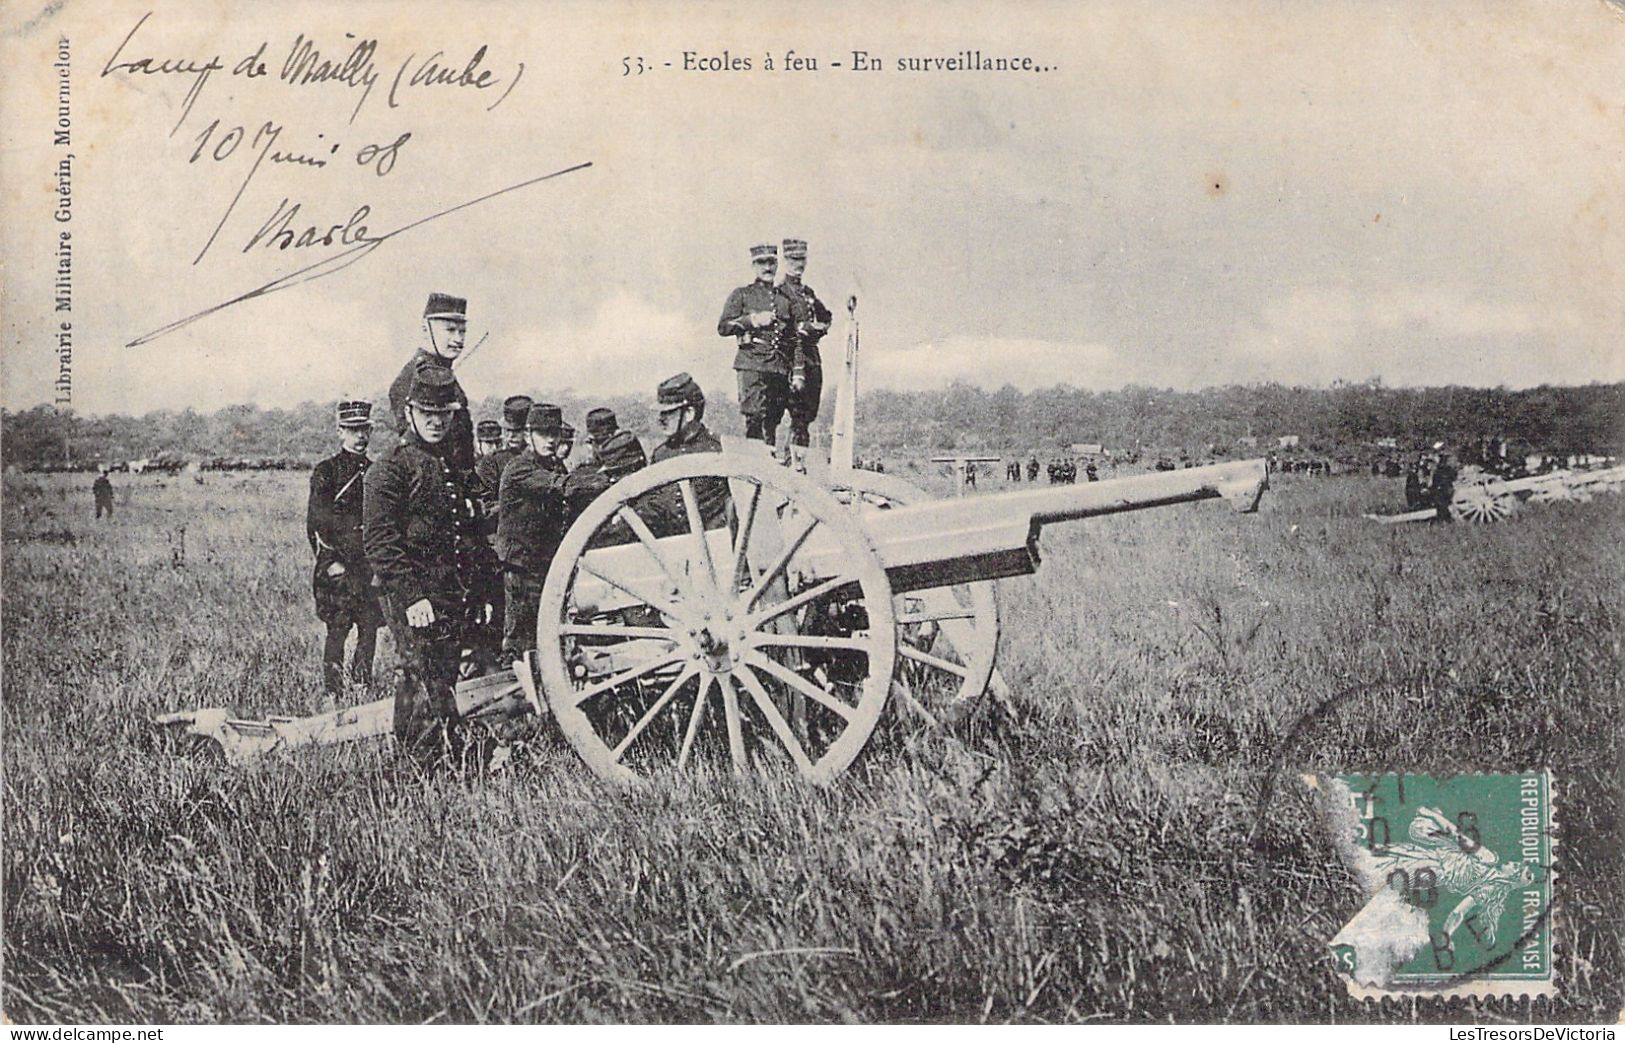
<point x="1480" y="504"/>
<point x="716" y="612"/>
<point x="947" y="637"/>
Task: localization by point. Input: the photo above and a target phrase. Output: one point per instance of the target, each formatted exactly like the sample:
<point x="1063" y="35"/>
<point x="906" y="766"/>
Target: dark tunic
<point x="419" y="528"/>
<point x="809" y="321"/>
<point x="763" y="349"/>
<point x="460" y="438"/>
<point x="333" y="518"/>
<point x="663" y="508"/>
<point x="488" y="483"/>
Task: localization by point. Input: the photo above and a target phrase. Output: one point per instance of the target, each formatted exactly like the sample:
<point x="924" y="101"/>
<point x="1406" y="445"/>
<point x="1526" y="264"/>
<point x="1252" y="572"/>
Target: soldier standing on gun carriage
<point x="539" y="500"/>
<point x="758" y="317"/>
<point x="422" y="540"/>
<point x="342" y="581"/>
<point x="809" y="321"/>
<point x="445" y="324"/>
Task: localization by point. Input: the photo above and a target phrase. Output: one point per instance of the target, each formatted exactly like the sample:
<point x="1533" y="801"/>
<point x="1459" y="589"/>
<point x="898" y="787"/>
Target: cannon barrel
<point x="992" y="537"/>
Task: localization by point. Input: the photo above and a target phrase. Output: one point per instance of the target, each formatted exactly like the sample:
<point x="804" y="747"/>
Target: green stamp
<point x="1457" y="871"/>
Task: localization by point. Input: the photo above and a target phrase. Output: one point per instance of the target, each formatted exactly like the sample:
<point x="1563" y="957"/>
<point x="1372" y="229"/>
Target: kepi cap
<point x="621" y="455"/>
<point x="445" y="306"/>
<point x="515" y="408"/>
<point x="679" y="390"/>
<point x="796" y="248"/>
<point x="761" y="250"/>
<point x="434" y="389"/>
<point x="544" y="418"/>
<point x="354" y="413"/>
<point x="601" y="423"/>
<point x="488" y="431"/>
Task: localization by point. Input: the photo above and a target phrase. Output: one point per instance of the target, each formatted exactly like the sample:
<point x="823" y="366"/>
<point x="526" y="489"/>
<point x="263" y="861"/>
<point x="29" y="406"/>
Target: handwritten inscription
<point x="245" y="150"/>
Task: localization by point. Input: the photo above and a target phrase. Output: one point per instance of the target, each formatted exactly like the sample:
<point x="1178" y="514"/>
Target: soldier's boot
<point x="781" y="453"/>
<point x="798" y="458"/>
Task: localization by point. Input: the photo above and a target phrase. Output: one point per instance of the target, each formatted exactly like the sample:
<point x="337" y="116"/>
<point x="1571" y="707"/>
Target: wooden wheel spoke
<point x="793" y="603"/>
<point x="649" y="715"/>
<point x="610" y="630"/>
<point x="775" y="719"/>
<point x="660" y="602"/>
<point x="629" y="674"/>
<point x="742" y="541"/>
<point x="777" y="568"/>
<point x="851" y="644"/>
<point x="736" y="731"/>
<point x="794" y="680"/>
<point x="646" y="536"/>
<point x="905" y="649"/>
<point x="691" y="505"/>
<point x="694" y="717"/>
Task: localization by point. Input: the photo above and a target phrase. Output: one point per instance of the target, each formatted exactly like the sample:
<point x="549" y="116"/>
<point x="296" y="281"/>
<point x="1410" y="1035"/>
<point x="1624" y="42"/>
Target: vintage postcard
<point x="719" y="512"/>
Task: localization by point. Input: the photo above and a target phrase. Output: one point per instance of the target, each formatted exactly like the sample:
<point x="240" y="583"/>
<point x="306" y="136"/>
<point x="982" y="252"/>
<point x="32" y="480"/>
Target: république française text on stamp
<point x="1457" y="873"/>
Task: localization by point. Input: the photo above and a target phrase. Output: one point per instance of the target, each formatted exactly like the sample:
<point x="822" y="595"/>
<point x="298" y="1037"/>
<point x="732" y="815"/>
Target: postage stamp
<point x="1457" y="872"/>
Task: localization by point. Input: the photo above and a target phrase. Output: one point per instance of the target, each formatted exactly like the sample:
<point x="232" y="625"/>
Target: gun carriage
<point x="1492" y="499"/>
<point x="722" y="612"/>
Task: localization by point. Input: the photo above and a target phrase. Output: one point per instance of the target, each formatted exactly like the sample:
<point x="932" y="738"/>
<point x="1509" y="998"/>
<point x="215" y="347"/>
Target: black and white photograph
<point x="721" y="513"/>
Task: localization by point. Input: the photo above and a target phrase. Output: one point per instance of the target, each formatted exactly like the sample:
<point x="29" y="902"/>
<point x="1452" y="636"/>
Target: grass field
<point x="1129" y="843"/>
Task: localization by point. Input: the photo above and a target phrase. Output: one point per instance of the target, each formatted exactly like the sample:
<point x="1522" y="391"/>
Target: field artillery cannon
<point x="1493" y="499"/>
<point x="769" y="633"/>
<point x="720" y="611"/>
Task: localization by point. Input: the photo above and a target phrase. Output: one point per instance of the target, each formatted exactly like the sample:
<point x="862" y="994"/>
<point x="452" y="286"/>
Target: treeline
<point x="962" y="417"/>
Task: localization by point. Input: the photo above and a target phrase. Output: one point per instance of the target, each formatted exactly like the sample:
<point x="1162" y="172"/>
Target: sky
<point x="1190" y="194"/>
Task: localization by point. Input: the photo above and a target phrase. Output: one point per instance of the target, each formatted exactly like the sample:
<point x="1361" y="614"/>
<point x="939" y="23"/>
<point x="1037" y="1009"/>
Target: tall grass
<point x="1129" y="842"/>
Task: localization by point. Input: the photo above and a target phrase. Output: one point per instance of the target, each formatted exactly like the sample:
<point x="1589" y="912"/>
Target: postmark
<point x="1458" y="875"/>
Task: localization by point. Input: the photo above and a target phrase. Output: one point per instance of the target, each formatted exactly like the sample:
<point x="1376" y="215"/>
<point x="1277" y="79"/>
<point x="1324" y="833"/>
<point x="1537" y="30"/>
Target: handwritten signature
<point x="352" y="234"/>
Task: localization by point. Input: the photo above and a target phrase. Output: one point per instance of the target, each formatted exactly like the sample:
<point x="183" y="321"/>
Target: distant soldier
<point x="102" y="489"/>
<point x="1413" y="489"/>
<point x="487" y="438"/>
<point x="1443" y="488"/>
<point x="757" y="316"/>
<point x="809" y="321"/>
<point x="423" y="542"/>
<point x="1032" y="468"/>
<point x="616" y="453"/>
<point x="342" y="581"/>
<point x="537" y="494"/>
<point x="445" y="324"/>
<point x="1091" y="472"/>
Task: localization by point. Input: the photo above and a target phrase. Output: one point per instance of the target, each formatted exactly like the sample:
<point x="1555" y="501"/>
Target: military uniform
<point x="460" y="439"/>
<point x="539" y="500"/>
<point x="422" y="539"/>
<point x="341" y="581"/>
<point x="763" y="357"/>
<point x="102" y="489"/>
<point x="663" y="509"/>
<point x="809" y="321"/>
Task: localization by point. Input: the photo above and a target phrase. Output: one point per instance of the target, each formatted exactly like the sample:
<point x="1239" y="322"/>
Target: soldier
<point x="567" y="443"/>
<point x="423" y="543"/>
<point x="537" y="499"/>
<point x="342" y="581"/>
<point x="809" y="321"/>
<point x="102" y="489"/>
<point x="1443" y="487"/>
<point x="681" y="408"/>
<point x="1032" y="468"/>
<point x="487" y="439"/>
<point x="758" y="317"/>
<point x="488" y="489"/>
<point x="616" y="453"/>
<point x="445" y="324"/>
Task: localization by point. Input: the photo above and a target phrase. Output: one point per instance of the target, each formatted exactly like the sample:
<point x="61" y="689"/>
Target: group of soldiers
<point x="447" y="537"/>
